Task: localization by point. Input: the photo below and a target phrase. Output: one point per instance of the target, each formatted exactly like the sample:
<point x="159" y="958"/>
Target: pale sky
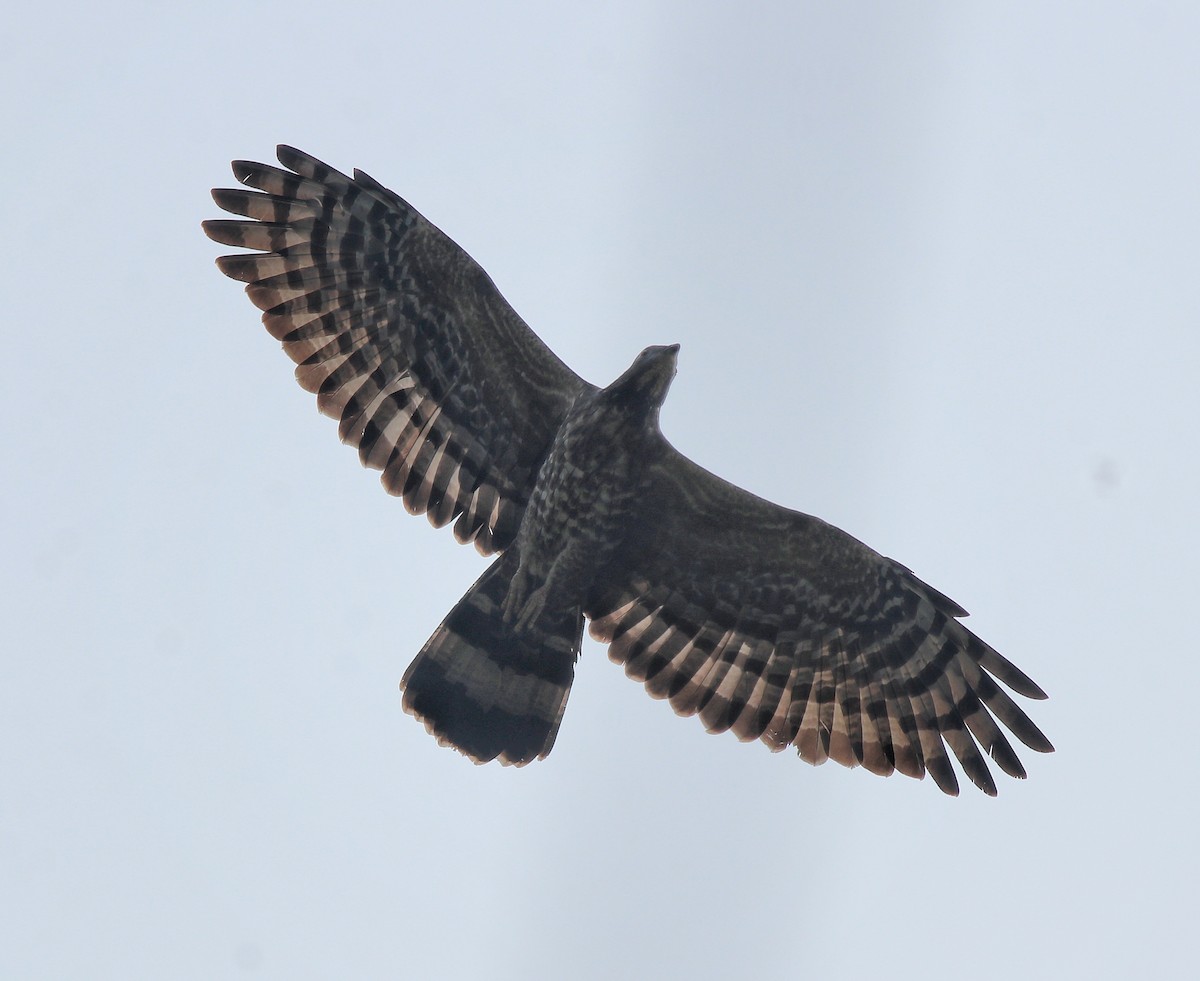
<point x="933" y="268"/>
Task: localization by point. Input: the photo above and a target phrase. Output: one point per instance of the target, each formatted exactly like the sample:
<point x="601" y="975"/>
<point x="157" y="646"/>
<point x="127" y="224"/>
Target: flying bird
<point x="763" y="621"/>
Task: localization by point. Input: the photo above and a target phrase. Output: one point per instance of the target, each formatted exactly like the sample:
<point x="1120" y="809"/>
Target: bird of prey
<point x="763" y="621"/>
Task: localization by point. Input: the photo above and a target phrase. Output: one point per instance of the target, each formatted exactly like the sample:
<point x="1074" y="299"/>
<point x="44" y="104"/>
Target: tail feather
<point x="487" y="691"/>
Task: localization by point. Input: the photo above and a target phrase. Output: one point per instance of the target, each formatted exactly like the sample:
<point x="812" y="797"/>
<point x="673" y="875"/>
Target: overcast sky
<point x="933" y="268"/>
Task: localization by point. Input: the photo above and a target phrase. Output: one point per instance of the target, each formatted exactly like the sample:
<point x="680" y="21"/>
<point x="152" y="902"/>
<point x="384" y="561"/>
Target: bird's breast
<point x="578" y="510"/>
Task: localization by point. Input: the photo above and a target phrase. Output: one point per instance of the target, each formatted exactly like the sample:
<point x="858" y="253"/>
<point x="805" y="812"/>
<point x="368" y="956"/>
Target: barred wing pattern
<point x="402" y="337"/>
<point x="780" y="627"/>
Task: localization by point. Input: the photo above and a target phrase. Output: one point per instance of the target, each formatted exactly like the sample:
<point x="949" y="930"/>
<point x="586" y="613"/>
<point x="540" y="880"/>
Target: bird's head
<point x="645" y="382"/>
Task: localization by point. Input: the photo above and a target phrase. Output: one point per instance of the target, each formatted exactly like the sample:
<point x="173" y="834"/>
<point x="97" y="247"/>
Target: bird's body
<point x="763" y="621"/>
<point x="578" y="511"/>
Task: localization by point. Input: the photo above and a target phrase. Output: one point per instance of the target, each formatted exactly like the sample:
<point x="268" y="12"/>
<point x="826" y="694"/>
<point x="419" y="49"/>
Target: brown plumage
<point x="763" y="621"/>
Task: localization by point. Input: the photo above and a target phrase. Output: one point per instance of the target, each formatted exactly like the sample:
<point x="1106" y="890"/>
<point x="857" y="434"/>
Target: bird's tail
<point x="487" y="690"/>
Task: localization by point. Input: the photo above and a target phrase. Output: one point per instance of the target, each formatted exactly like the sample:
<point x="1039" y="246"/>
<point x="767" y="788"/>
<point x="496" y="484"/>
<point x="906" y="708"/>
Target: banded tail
<point x="486" y="690"/>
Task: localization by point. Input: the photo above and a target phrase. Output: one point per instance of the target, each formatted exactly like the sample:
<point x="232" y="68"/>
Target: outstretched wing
<point x="402" y="337"/>
<point x="780" y="627"/>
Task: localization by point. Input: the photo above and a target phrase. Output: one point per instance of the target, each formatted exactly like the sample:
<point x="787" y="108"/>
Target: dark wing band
<point x="780" y="627"/>
<point x="402" y="337"/>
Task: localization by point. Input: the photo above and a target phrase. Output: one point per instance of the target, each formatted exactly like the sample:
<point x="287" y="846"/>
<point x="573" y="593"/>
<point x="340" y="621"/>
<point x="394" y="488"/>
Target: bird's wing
<point x="402" y="337"/>
<point x="780" y="627"/>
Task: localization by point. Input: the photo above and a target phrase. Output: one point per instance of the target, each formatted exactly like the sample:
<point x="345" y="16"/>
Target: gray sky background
<point x="933" y="268"/>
